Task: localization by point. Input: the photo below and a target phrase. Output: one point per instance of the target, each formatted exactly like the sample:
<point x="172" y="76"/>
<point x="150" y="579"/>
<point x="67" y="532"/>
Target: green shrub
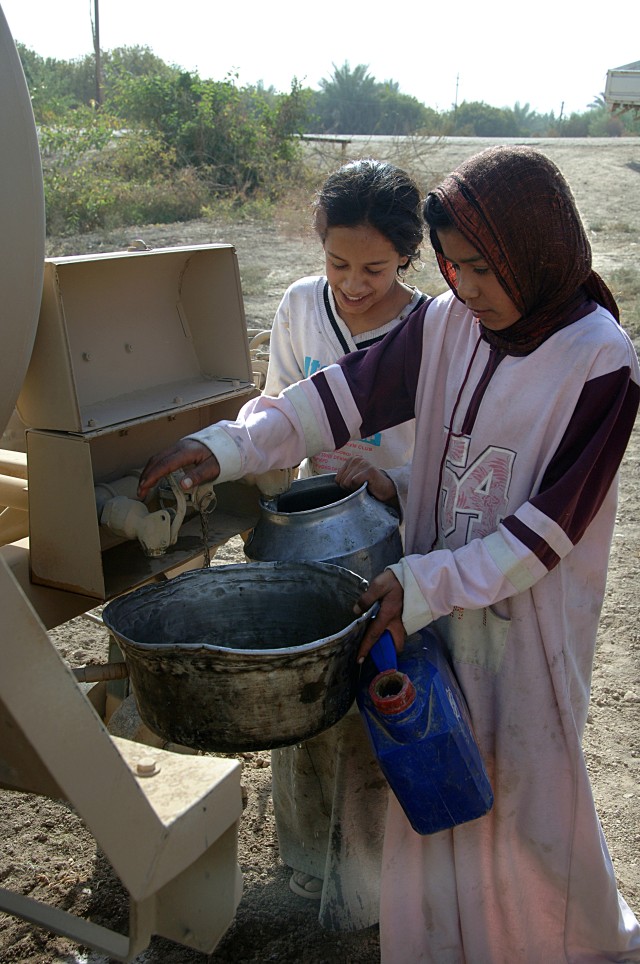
<point x="168" y="149"/>
<point x="94" y="179"/>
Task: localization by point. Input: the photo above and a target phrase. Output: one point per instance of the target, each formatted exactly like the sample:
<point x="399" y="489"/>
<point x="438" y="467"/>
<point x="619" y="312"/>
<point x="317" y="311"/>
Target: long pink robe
<point x="509" y="518"/>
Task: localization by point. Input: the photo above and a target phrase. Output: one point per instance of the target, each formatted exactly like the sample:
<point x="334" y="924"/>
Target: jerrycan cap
<point x="391" y="692"/>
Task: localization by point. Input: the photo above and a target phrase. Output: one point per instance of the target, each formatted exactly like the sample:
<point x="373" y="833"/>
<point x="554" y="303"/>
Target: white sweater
<point x="307" y="335"/>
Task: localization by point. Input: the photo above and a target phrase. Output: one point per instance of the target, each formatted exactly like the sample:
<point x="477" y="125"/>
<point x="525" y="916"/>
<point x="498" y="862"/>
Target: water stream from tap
<point x="204" y="526"/>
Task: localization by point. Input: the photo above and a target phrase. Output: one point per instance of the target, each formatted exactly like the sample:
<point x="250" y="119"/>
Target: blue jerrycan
<point x="420" y="730"/>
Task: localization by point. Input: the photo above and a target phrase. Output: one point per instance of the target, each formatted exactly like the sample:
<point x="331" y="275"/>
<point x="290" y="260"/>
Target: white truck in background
<point x="622" y="89"/>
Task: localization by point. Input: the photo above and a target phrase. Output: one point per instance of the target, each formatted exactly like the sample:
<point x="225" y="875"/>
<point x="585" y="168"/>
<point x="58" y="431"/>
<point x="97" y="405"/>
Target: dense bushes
<point x="162" y="146"/>
<point x="148" y="142"/>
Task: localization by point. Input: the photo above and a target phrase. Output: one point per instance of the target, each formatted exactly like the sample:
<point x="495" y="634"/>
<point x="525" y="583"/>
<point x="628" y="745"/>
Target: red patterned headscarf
<point x="516" y="209"/>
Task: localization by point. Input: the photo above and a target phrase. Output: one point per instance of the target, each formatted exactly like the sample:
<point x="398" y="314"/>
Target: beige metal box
<point x="132" y="351"/>
<point x="124" y="336"/>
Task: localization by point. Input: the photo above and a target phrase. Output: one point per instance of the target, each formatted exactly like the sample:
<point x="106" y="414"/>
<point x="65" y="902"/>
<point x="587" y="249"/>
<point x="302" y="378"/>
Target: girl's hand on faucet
<point x="196" y="459"/>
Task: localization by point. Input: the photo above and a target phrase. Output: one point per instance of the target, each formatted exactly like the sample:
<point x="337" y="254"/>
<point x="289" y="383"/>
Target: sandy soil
<point x="46" y="851"/>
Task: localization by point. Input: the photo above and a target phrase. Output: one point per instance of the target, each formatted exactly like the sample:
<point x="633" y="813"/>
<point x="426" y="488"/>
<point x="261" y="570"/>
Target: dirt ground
<point x="47" y="853"/>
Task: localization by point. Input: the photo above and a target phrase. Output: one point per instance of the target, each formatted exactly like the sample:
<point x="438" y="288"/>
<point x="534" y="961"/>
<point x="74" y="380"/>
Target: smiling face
<point x="476" y="283"/>
<point x="361" y="266"/>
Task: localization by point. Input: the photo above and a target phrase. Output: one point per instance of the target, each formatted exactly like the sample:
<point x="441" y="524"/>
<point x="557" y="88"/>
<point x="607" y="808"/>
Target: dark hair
<point x="375" y="193"/>
<point x="435" y="217"/>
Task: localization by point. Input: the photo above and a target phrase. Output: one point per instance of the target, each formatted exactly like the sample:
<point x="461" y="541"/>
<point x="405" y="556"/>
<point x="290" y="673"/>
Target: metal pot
<point x="242" y="657"/>
<point x="317" y="520"/>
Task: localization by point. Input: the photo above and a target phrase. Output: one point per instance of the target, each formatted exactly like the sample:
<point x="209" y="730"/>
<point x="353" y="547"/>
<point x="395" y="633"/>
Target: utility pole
<point x="455" y="106"/>
<point x="96" y="50"/>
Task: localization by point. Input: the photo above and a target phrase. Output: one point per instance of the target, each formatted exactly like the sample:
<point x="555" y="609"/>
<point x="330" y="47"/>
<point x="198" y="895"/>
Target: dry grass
<point x="625" y="285"/>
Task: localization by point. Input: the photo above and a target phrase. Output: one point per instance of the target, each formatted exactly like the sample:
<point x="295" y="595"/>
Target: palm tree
<point x="350" y="101"/>
<point x="598" y="102"/>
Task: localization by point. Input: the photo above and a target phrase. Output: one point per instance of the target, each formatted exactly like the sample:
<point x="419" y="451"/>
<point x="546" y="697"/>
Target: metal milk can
<point x="318" y="521"/>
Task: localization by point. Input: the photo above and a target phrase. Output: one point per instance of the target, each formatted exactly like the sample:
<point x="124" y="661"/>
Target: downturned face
<point x="476" y="283"/>
<point x="361" y="266"/>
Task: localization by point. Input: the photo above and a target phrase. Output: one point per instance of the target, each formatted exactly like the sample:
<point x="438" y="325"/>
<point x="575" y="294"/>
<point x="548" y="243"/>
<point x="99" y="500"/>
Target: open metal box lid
<point x="125" y="336"/>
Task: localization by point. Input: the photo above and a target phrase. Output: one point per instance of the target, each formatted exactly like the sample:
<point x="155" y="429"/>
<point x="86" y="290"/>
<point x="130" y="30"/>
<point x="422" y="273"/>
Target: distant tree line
<point x="351" y="101"/>
<point x="148" y="141"/>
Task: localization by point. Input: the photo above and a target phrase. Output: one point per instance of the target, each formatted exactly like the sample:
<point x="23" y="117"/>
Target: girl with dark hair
<point x="329" y="796"/>
<point x="368" y="216"/>
<point x="525" y="389"/>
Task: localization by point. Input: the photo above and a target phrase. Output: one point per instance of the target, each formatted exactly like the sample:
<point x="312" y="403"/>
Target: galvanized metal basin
<point x="242" y="657"/>
<point x="318" y="521"/>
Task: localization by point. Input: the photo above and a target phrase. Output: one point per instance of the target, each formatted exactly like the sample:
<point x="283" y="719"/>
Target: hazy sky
<point x="545" y="53"/>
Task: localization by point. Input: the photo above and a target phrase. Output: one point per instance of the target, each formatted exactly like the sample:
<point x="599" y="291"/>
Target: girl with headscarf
<point x="525" y="389"/>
